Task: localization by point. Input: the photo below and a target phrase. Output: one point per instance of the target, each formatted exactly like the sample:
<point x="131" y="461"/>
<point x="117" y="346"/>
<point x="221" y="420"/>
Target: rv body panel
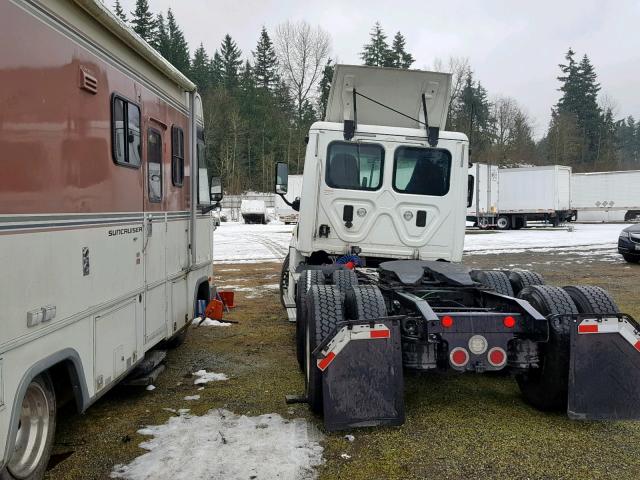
<point x="95" y="272"/>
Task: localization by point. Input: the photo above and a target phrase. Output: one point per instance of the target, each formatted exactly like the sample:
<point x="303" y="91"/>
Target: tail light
<point x="509" y="322"/>
<point x="497" y="357"/>
<point x="447" y="321"/>
<point x="459" y="357"/>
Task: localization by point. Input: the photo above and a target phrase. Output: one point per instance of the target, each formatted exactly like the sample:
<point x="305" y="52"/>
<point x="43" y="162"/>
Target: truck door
<point x="154" y="238"/>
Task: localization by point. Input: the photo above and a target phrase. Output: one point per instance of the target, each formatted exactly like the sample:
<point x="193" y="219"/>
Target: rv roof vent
<point x="88" y="82"/>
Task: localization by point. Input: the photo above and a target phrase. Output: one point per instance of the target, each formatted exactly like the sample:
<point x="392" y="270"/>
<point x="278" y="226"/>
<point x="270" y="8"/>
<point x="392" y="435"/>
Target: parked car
<point x="629" y="243"/>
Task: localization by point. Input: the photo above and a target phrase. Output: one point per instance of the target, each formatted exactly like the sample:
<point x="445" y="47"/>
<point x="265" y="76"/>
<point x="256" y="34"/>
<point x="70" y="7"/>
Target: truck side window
<point x="154" y="165"/>
<point x="125" y="132"/>
<point x="422" y="171"/>
<point x="177" y="156"/>
<point x="354" y="166"/>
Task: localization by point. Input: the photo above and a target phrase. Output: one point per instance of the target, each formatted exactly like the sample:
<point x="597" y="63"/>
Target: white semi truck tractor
<point x="374" y="283"/>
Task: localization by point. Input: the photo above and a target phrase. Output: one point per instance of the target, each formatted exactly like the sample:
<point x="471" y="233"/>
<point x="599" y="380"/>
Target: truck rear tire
<point x="590" y="299"/>
<point x="495" y="280"/>
<point x="546" y="387"/>
<point x="307" y="279"/>
<point x="324" y="311"/>
<point x="36" y="431"/>
<point x="364" y="302"/>
<point x="520" y="279"/>
<point x="343" y="279"/>
<point x="503" y="223"/>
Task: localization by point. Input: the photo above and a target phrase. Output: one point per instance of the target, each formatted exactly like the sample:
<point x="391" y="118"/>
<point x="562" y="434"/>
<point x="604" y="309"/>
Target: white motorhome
<point x="105" y="235"/>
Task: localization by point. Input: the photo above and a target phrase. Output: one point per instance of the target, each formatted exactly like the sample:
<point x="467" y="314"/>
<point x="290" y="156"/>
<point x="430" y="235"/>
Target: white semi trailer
<point x="374" y="283"/>
<point x="105" y="235"/>
<point x="606" y="196"/>
<point x="509" y="197"/>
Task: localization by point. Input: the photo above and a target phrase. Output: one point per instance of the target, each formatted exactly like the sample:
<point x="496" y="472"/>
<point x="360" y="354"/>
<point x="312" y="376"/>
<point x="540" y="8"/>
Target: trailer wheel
<point x="343" y="279"/>
<point x="590" y="299"/>
<point x="307" y="279"/>
<point x="495" y="280"/>
<point x="36" y="431"/>
<point x="524" y="278"/>
<point x="546" y="387"/>
<point x="284" y="279"/>
<point x="364" y="302"/>
<point x="324" y="311"/>
<point x="503" y="223"/>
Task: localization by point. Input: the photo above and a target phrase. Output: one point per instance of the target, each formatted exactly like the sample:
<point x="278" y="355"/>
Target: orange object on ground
<point x="214" y="310"/>
<point x="227" y="298"/>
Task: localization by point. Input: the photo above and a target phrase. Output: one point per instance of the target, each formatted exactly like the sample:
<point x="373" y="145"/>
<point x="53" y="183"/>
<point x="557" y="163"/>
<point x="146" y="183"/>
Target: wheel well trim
<point x="199" y="283"/>
<point x="78" y="380"/>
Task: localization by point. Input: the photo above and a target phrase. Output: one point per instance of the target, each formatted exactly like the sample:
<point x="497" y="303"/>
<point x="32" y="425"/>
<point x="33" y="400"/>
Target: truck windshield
<point x="354" y="166"/>
<point x="422" y="171"/>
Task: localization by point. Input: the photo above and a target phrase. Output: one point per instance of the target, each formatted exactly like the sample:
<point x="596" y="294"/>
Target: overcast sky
<point x="513" y="47"/>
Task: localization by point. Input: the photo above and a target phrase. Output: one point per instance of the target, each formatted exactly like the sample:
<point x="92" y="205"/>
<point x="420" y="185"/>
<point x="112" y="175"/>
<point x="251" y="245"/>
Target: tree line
<point x="259" y="105"/>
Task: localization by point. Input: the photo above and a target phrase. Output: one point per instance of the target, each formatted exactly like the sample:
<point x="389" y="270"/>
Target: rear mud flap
<point x="362" y="382"/>
<point x="604" y="373"/>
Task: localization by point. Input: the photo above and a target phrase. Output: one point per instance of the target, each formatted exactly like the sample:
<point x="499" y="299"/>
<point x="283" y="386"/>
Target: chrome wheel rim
<point x="502" y="223"/>
<point x="33" y="432"/>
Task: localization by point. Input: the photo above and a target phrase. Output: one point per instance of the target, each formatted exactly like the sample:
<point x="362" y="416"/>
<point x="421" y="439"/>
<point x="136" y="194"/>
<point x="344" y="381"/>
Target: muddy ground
<point x="457" y="427"/>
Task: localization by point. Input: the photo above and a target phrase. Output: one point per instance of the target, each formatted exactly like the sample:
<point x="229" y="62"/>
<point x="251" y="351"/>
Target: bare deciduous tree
<point x="459" y="68"/>
<point x="302" y="54"/>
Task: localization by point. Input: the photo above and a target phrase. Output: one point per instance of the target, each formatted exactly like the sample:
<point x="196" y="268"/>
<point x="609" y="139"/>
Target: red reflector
<point x="509" y="322"/>
<point x="459" y="357"/>
<point x="324" y="363"/>
<point x="380" y="334"/>
<point x="447" y="321"/>
<point x="637" y="345"/>
<point x="587" y="328"/>
<point x="497" y="357"/>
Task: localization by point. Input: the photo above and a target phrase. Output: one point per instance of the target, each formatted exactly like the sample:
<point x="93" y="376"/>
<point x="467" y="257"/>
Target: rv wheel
<point x="36" y="429"/>
<point x="546" y="387"/>
<point x="307" y="279"/>
<point x="324" y="311"/>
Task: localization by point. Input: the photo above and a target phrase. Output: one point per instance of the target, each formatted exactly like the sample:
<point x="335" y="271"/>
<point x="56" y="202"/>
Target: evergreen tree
<point x="216" y="70"/>
<point x="142" y="21"/>
<point x="178" y="48"/>
<point x="265" y="62"/>
<point x="201" y="69"/>
<point x="247" y="80"/>
<point x="376" y="53"/>
<point x="398" y="55"/>
<point x="117" y="9"/>
<point x="471" y="115"/>
<point x="161" y="40"/>
<point x="231" y="62"/>
<point x="325" y="88"/>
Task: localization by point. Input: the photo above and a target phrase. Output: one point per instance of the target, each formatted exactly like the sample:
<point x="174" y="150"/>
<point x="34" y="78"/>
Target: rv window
<point x="154" y="165"/>
<point x="422" y="171"/>
<point x="125" y="130"/>
<point x="354" y="166"/>
<point x="177" y="156"/>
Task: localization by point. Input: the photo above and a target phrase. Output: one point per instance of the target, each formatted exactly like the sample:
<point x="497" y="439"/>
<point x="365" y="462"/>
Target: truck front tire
<point x="36" y="431"/>
<point x="546" y="387"/>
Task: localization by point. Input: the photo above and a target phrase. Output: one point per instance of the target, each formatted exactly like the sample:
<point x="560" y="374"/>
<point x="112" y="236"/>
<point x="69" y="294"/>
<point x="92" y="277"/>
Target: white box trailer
<point x="105" y="228"/>
<point x="253" y="211"/>
<point x="606" y="196"/>
<point x="484" y="204"/>
<point x="524" y="194"/>
<point x="284" y="212"/>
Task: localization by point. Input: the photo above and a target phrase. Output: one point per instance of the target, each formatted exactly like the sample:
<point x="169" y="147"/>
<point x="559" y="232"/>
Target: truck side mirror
<point x="470" y="185"/>
<point x="282" y="178"/>
<point x="216" y="189"/>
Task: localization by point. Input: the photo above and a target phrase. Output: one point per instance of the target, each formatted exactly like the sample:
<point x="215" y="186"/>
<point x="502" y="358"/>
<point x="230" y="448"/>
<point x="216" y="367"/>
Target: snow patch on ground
<point x="207" y="322"/>
<point x="240" y="243"/>
<point x="222" y="445"/>
<point x="206" y="377"/>
<point x="189" y="398"/>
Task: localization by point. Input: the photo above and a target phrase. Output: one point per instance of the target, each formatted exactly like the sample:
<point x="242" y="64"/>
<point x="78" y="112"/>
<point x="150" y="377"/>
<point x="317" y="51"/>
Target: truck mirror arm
<point x="295" y="205"/>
